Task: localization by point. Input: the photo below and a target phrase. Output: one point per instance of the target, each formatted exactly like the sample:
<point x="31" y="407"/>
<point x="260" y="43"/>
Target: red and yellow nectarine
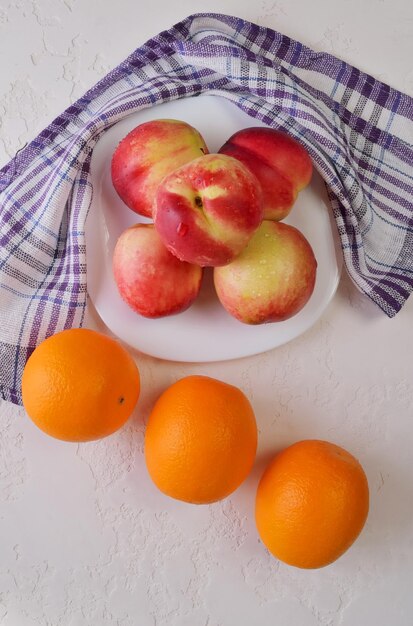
<point x="280" y="163"/>
<point x="272" y="279"/>
<point x="151" y="280"/>
<point x="207" y="210"/>
<point x="147" y="154"/>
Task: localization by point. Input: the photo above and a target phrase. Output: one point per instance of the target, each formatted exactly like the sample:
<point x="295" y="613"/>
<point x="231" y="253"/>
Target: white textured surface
<point x="85" y="539"/>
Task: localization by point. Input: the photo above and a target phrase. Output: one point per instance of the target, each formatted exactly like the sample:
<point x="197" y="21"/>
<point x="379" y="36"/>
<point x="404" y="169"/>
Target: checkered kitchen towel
<point x="358" y="131"/>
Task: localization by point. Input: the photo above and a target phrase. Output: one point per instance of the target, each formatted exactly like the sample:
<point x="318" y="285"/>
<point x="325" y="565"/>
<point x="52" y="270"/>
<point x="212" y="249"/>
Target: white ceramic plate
<point x="205" y="332"/>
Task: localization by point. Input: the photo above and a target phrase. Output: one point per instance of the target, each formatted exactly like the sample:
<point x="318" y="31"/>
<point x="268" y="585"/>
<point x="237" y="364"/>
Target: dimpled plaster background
<point x="85" y="539"/>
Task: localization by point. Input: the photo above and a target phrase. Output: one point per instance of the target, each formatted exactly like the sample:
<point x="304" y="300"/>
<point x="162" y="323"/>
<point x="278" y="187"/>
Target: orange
<point x="200" y="440"/>
<point x="312" y="503"/>
<point x="80" y="385"/>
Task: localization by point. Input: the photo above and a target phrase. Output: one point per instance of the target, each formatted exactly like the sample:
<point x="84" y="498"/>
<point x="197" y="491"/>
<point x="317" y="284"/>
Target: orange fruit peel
<point x="201" y="440"/>
<point x="312" y="503"/>
<point x="80" y="385"/>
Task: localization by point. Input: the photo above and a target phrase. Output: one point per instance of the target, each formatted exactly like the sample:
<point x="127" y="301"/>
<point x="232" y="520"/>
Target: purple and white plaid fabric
<point x="358" y="131"/>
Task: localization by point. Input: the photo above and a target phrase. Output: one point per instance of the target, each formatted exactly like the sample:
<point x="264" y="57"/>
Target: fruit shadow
<point x="207" y="295"/>
<point x="261" y="462"/>
<point x="389" y="523"/>
<point x="349" y="296"/>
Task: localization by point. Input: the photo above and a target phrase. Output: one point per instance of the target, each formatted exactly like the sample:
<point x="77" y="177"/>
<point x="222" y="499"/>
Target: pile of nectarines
<point x="212" y="210"/>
